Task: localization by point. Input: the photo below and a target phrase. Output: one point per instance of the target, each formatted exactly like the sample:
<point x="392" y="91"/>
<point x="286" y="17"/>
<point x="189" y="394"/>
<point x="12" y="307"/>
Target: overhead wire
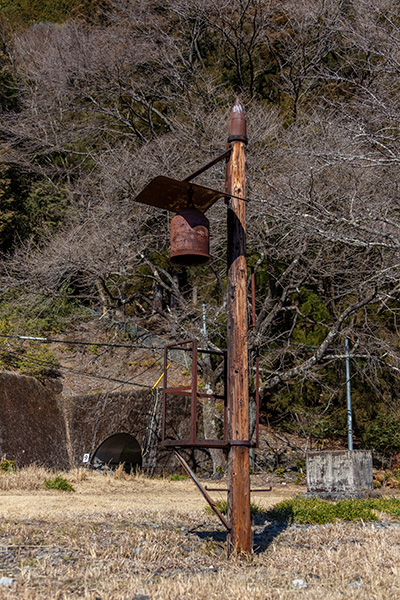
<point x="50" y="364"/>
<point x="79" y="342"/>
<point x="131" y="346"/>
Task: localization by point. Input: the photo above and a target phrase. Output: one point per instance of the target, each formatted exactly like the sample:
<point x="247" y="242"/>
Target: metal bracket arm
<point x="226" y="155"/>
<point x="202" y="490"/>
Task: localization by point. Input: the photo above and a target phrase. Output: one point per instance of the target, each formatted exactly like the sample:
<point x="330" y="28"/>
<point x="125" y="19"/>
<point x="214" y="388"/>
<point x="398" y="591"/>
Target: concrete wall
<point x="38" y="425"/>
<point x="343" y="471"/>
<point x="91" y="419"/>
<point x="32" y="428"/>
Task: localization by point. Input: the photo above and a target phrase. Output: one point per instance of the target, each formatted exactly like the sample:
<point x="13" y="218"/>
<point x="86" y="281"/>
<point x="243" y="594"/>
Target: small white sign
<point x="86" y="458"/>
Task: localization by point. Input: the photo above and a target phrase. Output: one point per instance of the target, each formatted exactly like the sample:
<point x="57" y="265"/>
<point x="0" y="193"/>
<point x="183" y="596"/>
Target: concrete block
<point x="347" y="473"/>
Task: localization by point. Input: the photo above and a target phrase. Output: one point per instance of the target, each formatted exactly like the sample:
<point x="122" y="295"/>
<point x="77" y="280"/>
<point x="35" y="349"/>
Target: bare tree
<point x="107" y="108"/>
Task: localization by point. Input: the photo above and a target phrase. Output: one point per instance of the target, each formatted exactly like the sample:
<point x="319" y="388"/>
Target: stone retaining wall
<point x="38" y="425"/>
<point x="32" y="427"/>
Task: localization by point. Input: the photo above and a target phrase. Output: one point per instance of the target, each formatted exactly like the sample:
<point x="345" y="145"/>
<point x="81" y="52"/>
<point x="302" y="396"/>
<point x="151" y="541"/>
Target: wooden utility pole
<point x="237" y="344"/>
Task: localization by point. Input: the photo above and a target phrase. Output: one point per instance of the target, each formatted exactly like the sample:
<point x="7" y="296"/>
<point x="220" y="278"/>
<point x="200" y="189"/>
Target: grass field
<point x="143" y="539"/>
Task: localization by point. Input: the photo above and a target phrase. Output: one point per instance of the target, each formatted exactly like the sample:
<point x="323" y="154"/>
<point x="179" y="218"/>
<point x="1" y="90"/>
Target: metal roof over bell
<point x="172" y="194"/>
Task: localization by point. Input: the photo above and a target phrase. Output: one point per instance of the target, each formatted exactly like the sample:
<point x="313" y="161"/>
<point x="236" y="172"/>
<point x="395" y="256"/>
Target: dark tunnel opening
<point x="116" y="449"/>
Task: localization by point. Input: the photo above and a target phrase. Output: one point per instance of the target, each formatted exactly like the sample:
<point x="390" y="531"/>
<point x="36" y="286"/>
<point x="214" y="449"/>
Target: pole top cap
<point x="237" y="124"/>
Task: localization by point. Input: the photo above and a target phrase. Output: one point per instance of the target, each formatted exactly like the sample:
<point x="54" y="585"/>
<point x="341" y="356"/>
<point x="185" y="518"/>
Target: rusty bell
<point x="190" y="242"/>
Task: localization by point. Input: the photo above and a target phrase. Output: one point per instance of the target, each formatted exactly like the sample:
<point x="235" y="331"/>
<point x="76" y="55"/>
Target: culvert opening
<point x="116" y="449"/>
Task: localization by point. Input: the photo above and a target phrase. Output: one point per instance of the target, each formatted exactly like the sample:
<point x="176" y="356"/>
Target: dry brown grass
<point x="117" y="538"/>
<point x="28" y="479"/>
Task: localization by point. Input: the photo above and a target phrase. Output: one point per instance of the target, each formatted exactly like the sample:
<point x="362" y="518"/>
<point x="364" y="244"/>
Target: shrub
<point x="7" y="466"/>
<point x="309" y="511"/>
<point x="37" y="362"/>
<point x="177" y="477"/>
<point x="383" y="435"/>
<point x="58" y="483"/>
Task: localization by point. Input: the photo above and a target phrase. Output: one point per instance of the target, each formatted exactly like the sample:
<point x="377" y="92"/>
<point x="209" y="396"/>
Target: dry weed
<point x="78" y="475"/>
<point x="27" y="479"/>
<point x="102" y="543"/>
<point x="119" y="473"/>
<point x="122" y="555"/>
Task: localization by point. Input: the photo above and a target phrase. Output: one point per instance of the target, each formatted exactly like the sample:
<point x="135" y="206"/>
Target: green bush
<point x="37" y="315"/>
<point x="37" y="362"/>
<point x="307" y="511"/>
<point x="383" y="435"/>
<point x="178" y="477"/>
<point x="58" y="483"/>
<point x="389" y="506"/>
<point x="7" y="466"/>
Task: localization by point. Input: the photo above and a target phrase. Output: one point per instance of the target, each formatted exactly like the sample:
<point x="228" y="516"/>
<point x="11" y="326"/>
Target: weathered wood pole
<point x="238" y="376"/>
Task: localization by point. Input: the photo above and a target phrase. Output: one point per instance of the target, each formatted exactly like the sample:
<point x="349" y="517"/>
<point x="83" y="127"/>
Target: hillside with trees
<point x="98" y="97"/>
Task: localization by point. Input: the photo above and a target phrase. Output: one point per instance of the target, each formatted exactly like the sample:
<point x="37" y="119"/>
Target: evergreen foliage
<point x="27" y="12"/>
<point x="58" y="483"/>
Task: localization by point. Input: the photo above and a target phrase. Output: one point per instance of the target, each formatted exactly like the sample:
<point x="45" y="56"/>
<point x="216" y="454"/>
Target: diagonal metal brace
<point x="226" y="155"/>
<point x="202" y="490"/>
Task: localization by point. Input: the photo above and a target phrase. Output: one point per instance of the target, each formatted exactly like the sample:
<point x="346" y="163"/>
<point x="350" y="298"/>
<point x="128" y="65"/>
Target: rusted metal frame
<point x="164" y="406"/>
<point x="208" y="443"/>
<point x="203" y="491"/>
<point x="194" y="392"/>
<point x="179" y="391"/>
<point x="226" y="425"/>
<point x="258" y="491"/>
<point x="177" y="345"/>
<point x="196" y="444"/>
<point x="257" y="398"/>
<point x="182" y="391"/>
<point x="216" y="160"/>
<point x="208" y="351"/>
<point x="216" y="396"/>
<point x="191" y="391"/>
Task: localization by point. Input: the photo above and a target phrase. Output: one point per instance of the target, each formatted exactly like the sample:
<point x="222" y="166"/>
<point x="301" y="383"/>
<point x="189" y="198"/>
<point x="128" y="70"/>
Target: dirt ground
<point x="151" y="539"/>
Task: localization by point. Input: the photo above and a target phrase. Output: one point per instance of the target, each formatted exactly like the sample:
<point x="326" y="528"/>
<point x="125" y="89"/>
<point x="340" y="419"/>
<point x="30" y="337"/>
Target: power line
<point x="44" y="340"/>
<point x="80" y="342"/>
<point x="51" y="365"/>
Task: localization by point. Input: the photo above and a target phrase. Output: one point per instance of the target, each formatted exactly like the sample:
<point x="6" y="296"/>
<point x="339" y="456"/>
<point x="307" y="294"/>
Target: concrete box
<point x="347" y="472"/>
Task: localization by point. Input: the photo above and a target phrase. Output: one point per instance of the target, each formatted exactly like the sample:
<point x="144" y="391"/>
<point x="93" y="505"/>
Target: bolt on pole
<point x="237" y="343"/>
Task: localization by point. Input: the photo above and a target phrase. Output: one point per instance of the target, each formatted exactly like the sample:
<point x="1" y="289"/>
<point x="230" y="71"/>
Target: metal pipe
<point x="348" y="390"/>
<point x="204" y="321"/>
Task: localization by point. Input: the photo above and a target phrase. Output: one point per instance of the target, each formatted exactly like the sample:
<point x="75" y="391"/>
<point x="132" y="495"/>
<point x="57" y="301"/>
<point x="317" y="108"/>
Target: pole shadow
<point x="264" y="532"/>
